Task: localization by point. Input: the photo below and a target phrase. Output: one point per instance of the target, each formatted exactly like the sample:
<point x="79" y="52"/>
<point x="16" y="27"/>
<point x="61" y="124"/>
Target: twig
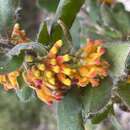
<point x="8" y="46"/>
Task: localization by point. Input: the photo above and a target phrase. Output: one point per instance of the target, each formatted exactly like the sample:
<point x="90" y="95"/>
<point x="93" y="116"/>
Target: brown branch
<point x="6" y="44"/>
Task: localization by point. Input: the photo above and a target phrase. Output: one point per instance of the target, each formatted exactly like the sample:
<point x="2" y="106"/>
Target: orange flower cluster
<point x="92" y="66"/>
<point x="18" y="35"/>
<point x="9" y="81"/>
<point x="52" y="76"/>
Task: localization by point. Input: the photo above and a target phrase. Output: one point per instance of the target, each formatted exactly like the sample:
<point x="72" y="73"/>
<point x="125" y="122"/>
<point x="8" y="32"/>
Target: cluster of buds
<point x="18" y="35"/>
<point x="9" y="81"/>
<point x="91" y="65"/>
<point x="51" y="76"/>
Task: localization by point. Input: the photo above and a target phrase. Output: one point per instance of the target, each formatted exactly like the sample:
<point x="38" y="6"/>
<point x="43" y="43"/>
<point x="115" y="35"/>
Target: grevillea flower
<point x="51" y="76"/>
<point x="91" y="65"/>
<point x="54" y="75"/>
<point x="9" y="81"/>
<point x="18" y="35"/>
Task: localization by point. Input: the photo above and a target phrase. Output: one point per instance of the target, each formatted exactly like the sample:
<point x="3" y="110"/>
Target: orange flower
<point x="51" y="76"/>
<point x="18" y="36"/>
<point x="92" y="66"/>
<point x="9" y="81"/>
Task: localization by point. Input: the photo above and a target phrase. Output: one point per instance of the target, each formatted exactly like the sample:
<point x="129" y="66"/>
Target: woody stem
<point x="5" y="45"/>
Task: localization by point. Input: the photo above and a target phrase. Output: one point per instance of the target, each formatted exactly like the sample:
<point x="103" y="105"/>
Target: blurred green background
<point x="32" y="115"/>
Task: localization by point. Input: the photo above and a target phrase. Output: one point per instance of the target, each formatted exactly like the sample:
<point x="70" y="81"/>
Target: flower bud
<point x="28" y="58"/>
<point x="66" y="58"/>
<point x="48" y="74"/>
<point x="56" y="69"/>
<point x="67" y="82"/>
<point x="41" y="67"/>
<point x="36" y="73"/>
<point x="53" y="61"/>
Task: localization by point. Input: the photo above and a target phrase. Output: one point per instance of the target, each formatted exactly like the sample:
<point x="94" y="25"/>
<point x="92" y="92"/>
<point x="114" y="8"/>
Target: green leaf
<point x="15" y="57"/>
<point x="122" y="18"/>
<point x="94" y="10"/>
<point x="75" y="33"/>
<point x="107" y="16"/>
<point x="67" y="46"/>
<point x="67" y="11"/>
<point x="69" y="112"/>
<point x="112" y="34"/>
<point x="103" y="114"/>
<point x="124" y="93"/>
<point x="25" y="93"/>
<point x="9" y="63"/>
<point x="43" y="35"/>
<point x="117" y="54"/>
<point x="95" y="99"/>
<point x="50" y="5"/>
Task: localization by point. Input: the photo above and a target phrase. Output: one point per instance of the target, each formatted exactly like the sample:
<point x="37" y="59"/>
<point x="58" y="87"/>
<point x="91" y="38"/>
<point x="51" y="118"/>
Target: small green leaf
<point x="69" y="112"/>
<point x="10" y="63"/>
<point x="117" y="54"/>
<point x="103" y="114"/>
<point x="43" y="35"/>
<point x="25" y="93"/>
<point x="95" y="99"/>
<point x="67" y="11"/>
<point x="124" y="93"/>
